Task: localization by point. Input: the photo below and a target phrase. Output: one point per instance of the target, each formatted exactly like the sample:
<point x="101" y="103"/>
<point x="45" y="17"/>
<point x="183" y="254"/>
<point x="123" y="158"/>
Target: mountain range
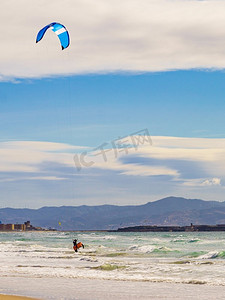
<point x="167" y="211"/>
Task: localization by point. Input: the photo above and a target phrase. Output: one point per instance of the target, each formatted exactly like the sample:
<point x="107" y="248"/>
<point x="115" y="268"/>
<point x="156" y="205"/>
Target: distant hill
<point x="167" y="211"/>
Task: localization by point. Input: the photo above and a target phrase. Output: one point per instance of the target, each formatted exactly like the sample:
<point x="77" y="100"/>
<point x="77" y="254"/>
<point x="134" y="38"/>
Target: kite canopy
<point x="60" y="30"/>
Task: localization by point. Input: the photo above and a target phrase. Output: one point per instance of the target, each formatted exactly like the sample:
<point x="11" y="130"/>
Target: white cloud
<point x="52" y="178"/>
<point x="44" y="173"/>
<point x="106" y="36"/>
<point x="39" y="146"/>
<point x="27" y="156"/>
<point x="140" y="170"/>
<point x="212" y="181"/>
<point x="164" y="154"/>
<point x="201" y="182"/>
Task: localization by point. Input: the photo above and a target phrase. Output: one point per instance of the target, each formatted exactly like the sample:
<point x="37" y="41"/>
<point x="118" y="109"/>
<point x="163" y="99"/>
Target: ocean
<point x="189" y="257"/>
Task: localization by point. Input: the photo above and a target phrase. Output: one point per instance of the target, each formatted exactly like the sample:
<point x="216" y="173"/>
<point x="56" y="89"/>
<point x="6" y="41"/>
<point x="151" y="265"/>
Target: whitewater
<point x="188" y="258"/>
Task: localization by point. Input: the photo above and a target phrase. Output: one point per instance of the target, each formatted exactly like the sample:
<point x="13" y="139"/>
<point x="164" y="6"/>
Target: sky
<point x="131" y="112"/>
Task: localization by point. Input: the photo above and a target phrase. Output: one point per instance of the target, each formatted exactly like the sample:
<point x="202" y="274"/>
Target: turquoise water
<point x="166" y="257"/>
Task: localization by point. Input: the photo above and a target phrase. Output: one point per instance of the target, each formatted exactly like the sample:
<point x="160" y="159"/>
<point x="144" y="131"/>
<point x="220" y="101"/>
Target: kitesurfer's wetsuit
<point x="77" y="246"/>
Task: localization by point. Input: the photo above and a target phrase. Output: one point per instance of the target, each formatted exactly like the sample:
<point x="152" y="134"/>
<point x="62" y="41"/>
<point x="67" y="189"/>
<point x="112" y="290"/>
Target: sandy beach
<point x="12" y="297"/>
<point x="91" y="289"/>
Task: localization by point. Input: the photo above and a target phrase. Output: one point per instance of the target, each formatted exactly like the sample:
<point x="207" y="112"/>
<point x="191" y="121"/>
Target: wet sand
<point x="91" y="289"/>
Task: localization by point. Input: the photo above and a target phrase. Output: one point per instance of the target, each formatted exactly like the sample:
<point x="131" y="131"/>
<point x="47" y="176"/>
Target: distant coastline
<point x="191" y="228"/>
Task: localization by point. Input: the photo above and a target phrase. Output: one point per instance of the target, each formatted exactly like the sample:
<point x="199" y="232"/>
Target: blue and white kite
<point x="60" y="30"/>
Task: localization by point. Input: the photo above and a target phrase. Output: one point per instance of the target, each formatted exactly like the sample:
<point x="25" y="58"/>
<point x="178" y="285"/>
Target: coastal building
<point x="2" y="227"/>
<point x="7" y="227"/>
<point x="18" y="227"/>
<point x="27" y="224"/>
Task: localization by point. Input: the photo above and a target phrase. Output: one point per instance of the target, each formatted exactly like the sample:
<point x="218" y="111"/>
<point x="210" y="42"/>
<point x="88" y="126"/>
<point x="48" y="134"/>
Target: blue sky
<point x="91" y="109"/>
<point x="155" y="65"/>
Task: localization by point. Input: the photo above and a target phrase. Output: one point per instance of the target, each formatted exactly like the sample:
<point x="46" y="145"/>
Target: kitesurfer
<point x="76" y="245"/>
